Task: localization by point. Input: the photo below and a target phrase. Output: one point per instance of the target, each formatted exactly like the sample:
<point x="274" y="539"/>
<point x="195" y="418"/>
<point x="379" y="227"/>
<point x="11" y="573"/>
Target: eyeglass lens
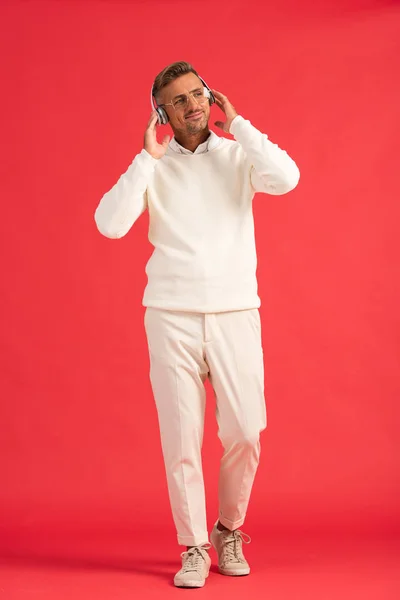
<point x="199" y="95"/>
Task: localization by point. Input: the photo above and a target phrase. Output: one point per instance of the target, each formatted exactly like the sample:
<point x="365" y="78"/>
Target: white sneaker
<point x="195" y="567"/>
<point x="228" y="545"/>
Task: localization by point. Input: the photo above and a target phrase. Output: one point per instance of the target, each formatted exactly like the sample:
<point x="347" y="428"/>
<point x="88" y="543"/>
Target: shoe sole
<point x="192" y="584"/>
<point x="234" y="573"/>
<point x="189" y="586"/>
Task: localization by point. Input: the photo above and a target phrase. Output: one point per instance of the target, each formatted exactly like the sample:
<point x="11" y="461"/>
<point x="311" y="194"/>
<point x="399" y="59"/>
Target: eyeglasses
<point x="181" y="103"/>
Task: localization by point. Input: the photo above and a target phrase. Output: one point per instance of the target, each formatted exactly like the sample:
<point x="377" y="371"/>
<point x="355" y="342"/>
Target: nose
<point x="192" y="101"/>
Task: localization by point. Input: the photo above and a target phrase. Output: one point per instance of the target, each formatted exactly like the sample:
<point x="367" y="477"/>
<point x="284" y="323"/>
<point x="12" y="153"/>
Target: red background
<point x="81" y="465"/>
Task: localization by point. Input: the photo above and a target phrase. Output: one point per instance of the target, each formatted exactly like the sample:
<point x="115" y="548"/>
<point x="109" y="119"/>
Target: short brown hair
<point x="170" y="73"/>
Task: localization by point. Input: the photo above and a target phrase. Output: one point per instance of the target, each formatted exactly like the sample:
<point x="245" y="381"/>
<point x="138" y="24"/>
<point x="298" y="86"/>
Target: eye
<point x="199" y="93"/>
<point x="179" y="102"/>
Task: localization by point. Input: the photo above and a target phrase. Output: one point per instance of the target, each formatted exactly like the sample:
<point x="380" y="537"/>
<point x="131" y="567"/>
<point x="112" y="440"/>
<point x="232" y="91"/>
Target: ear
<point x="159" y="97"/>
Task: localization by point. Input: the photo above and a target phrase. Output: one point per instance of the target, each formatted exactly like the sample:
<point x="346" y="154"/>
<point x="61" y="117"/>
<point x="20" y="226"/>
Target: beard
<point x="194" y="127"/>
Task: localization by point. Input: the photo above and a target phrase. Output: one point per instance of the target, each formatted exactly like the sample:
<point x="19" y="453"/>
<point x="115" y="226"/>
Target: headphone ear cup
<point x="210" y="96"/>
<point x="162" y="116"/>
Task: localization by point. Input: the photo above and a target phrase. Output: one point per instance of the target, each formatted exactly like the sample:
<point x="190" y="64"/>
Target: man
<point x="202" y="319"/>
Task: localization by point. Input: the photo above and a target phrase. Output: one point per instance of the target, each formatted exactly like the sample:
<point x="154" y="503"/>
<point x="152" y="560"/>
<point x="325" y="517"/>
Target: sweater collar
<point x="211" y="142"/>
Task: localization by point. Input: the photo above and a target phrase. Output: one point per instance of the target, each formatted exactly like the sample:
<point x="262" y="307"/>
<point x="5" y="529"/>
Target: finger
<point x="221" y="96"/>
<point x="153" y="118"/>
<point x="219" y="124"/>
<point x="222" y="102"/>
<point x="165" y="141"/>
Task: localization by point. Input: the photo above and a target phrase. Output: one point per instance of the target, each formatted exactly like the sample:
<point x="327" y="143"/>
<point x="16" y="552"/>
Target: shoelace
<point x="233" y="546"/>
<point x="194" y="558"/>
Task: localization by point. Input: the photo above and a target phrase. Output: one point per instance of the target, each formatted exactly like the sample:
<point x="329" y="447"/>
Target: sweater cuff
<point x="242" y="130"/>
<point x="149" y="159"/>
<point x="236" y="121"/>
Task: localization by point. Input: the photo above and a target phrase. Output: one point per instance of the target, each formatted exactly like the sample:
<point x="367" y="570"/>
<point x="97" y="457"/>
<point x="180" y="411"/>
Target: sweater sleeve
<point x="121" y="206"/>
<point x="272" y="171"/>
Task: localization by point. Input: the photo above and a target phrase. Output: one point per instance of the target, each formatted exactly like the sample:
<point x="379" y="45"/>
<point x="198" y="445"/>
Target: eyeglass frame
<point x="206" y="96"/>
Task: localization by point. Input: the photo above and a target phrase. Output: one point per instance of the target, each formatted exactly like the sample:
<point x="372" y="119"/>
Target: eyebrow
<point x="191" y="92"/>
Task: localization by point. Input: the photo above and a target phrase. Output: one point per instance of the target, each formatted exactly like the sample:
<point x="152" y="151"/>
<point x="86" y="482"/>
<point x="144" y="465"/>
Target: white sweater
<point x="201" y="218"/>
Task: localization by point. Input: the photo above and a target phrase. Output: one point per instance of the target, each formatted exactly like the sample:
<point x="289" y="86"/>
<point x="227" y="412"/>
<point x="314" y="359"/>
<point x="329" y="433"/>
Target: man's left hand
<point x="230" y="112"/>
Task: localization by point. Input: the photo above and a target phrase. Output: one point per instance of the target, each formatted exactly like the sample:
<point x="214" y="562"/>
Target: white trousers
<point x="186" y="349"/>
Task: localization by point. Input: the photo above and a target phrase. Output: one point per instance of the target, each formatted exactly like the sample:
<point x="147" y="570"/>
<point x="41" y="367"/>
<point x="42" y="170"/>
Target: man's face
<point x="187" y="118"/>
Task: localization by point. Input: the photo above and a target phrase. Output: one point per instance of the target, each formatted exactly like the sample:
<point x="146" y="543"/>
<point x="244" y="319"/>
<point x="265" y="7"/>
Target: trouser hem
<point x="232" y="525"/>
<point x="193" y="540"/>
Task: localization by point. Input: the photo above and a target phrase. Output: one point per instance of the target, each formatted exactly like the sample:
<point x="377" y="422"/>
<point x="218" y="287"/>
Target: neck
<point x="191" y="142"/>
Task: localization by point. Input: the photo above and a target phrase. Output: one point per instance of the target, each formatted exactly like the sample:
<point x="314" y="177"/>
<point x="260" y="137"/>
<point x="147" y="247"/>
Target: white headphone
<point x="162" y="114"/>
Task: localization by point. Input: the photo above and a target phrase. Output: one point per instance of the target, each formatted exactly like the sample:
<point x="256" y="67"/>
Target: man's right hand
<point x="151" y="145"/>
